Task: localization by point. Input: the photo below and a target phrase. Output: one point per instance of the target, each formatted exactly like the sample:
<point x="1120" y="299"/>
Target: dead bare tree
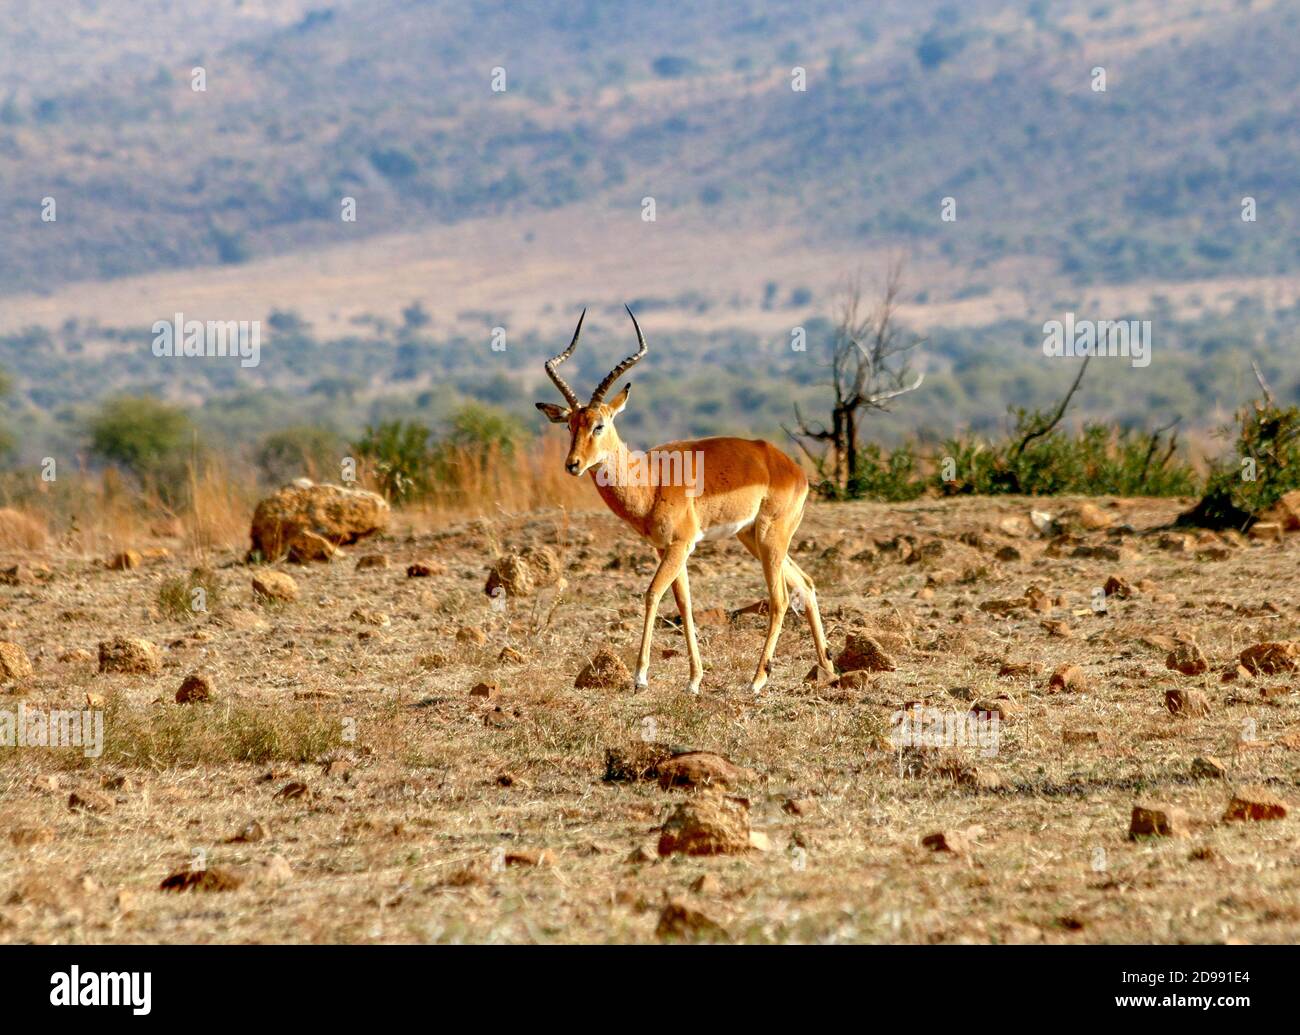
<point x="870" y="367"/>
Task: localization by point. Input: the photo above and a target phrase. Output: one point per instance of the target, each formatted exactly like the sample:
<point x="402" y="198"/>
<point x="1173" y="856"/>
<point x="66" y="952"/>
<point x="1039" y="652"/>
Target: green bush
<point x="399" y="454"/>
<point x="147" y="437"/>
<point x="1265" y="465"/>
<point x="296" y="452"/>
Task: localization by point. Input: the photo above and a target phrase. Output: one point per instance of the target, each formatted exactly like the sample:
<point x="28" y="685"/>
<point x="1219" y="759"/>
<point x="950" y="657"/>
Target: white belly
<point x="724" y="531"/>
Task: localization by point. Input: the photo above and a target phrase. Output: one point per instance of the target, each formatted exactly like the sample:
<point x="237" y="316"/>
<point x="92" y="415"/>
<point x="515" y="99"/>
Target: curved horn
<point x="599" y="394"/>
<point x="569" y="394"/>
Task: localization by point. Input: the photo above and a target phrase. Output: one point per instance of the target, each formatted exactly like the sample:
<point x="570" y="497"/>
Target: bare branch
<point x="1043" y="429"/>
<point x="1263" y="385"/>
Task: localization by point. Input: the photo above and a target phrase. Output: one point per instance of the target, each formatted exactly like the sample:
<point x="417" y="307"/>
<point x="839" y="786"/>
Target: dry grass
<point x="408" y="844"/>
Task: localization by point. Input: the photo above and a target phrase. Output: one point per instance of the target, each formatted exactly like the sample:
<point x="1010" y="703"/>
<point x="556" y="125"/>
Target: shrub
<point x="146" y="437"/>
<point x="398" y="453"/>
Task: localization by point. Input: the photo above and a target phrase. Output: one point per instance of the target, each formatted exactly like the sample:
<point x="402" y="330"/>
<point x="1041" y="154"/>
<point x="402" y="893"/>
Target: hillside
<point x="390" y="102"/>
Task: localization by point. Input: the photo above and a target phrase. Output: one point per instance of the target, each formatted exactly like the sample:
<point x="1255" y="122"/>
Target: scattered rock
<point x="605" y="671"/>
<point x="1091" y="517"/>
<point x="1254" y="804"/>
<point x="488" y="691"/>
<point x="86" y="800"/>
<point x="530" y="857"/>
<point x="309" y="548"/>
<point x="1187" y="702"/>
<point x="522" y="573"/>
<point x="252" y="831"/>
<point x="196" y="688"/>
<point x="369" y="616"/>
<point x="14" y="663"/>
<point x="863" y="652"/>
<point x="858" y="679"/>
<point x="1207" y="767"/>
<point x="133" y="656"/>
<point x="681" y="922"/>
<point x="294" y="790"/>
<point x="471" y="636"/>
<point x="1157" y="821"/>
<point x="1070" y="678"/>
<point x="702" y="769"/>
<point x="372" y="561"/>
<point x="275" y="587"/>
<point x="954" y="841"/>
<point x="1271" y="658"/>
<point x="1187" y="659"/>
<point x="639" y="760"/>
<point x="127" y="560"/>
<point x="510" y="656"/>
<point x="425" y="569"/>
<point x="706" y="826"/>
<point x="210" y="879"/>
<point x="1118" y="587"/>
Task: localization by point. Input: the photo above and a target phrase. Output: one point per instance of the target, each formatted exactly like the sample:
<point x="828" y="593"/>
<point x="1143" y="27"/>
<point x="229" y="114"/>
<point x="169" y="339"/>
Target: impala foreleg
<point x="682" y="593"/>
<point x="671" y="563"/>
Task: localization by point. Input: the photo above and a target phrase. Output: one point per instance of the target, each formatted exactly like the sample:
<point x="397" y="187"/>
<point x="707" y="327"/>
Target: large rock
<point x="605" y="671"/>
<point x="14" y="663"/>
<point x="1271" y="658"/>
<point x="132" y="656"/>
<point x="519" y="574"/>
<point x="707" y="826"/>
<point x="336" y="514"/>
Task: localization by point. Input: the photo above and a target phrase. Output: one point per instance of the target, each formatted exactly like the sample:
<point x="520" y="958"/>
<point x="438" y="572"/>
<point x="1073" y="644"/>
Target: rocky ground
<point x="371" y="754"/>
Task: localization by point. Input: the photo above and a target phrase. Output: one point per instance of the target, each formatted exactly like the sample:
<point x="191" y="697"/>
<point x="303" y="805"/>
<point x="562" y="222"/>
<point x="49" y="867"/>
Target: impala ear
<point x="555" y="414"/>
<point x="619" y="401"/>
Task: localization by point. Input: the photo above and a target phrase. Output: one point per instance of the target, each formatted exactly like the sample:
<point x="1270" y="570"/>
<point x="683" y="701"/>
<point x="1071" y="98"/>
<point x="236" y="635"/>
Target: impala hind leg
<point x="778" y="596"/>
<point x="802" y="587"/>
<point x="672" y="562"/>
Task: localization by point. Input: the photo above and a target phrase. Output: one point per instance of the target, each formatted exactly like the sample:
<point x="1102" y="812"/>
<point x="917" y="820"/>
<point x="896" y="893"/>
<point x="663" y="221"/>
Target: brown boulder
<point x="521" y="573"/>
<point x="275" y="586"/>
<point x="308" y="548"/>
<point x="698" y="769"/>
<point x="679" y="921"/>
<point x="1254" y="804"/>
<point x="1187" y="659"/>
<point x="1270" y="658"/>
<point x="196" y="689"/>
<point x="332" y="512"/>
<point x="864" y="652"/>
<point x="706" y="826"/>
<point x="14" y="663"/>
<point x="1187" y="702"/>
<point x="1157" y="821"/>
<point x="605" y="671"/>
<point x="133" y="656"/>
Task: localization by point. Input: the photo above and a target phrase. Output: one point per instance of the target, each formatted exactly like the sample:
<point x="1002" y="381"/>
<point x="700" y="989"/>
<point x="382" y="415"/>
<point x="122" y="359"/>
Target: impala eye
<point x="598" y="429"/>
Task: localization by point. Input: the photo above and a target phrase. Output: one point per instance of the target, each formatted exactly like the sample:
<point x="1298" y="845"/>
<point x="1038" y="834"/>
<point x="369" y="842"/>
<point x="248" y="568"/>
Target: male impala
<point x="741" y="487"/>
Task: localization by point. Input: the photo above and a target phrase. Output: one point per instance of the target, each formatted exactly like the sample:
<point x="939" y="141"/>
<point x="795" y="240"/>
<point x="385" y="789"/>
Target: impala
<point x="728" y="486"/>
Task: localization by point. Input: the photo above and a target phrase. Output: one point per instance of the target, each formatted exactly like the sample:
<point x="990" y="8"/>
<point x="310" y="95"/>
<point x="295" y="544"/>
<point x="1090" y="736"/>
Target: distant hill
<point x="609" y="101"/>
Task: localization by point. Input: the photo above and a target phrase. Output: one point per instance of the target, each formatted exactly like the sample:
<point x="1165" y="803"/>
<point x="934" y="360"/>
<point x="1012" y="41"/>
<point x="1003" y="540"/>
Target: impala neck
<point x="632" y="503"/>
